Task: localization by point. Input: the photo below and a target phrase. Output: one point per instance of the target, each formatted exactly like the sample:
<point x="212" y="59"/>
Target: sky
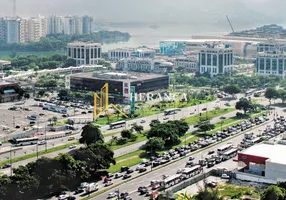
<point x="175" y="11"/>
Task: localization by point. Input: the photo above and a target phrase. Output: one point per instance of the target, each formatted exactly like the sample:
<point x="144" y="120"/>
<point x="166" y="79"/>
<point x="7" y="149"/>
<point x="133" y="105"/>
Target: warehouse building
<point x="263" y="163"/>
<point x="119" y="83"/>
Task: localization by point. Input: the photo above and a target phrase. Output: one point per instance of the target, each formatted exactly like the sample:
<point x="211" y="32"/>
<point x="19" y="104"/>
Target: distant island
<point x="266" y="31"/>
<point x="59" y="41"/>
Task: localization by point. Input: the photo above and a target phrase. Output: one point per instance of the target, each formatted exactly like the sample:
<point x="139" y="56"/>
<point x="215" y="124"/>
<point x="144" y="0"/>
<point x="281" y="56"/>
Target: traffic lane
<point x="172" y="168"/>
<point x="33" y="148"/>
<point x="229" y="164"/>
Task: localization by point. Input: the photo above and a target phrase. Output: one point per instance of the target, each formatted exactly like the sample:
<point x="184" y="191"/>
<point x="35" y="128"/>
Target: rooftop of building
<point x="199" y="41"/>
<point x="119" y="76"/>
<point x="5" y="62"/>
<point x="272" y="53"/>
<point x="5" y="83"/>
<point x="270" y="151"/>
<point x="78" y="43"/>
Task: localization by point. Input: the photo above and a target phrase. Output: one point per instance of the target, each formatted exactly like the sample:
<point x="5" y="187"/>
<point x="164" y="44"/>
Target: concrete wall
<point x="253" y="178"/>
<point x="275" y="170"/>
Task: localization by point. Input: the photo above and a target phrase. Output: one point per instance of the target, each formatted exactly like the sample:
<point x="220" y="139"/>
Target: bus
<point x="229" y="154"/>
<point x="25" y="141"/>
<point x="255" y="141"/>
<point x="117" y="124"/>
<point x="193" y="171"/>
<point x="171" y="111"/>
<point x="171" y="181"/>
<point x="224" y="148"/>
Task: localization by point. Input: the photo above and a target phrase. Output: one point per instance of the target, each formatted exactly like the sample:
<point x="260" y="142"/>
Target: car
<point x="124" y="169"/>
<point x="225" y="176"/>
<point x="143" y="169"/>
<point x="83" y="112"/>
<point x="106" y="179"/>
<point x="124" y="195"/>
<point x="71" y="138"/>
<point x="144" y="191"/>
<point x="108" y="183"/>
<point x="79" y="190"/>
<point x="127" y="198"/>
<point x="191" y="158"/>
<point x="6" y="166"/>
<point x="141" y="188"/>
<point x="118" y="175"/>
<point x="165" y="118"/>
<point x="138" y="167"/>
<point x="62" y="197"/>
<point x="126" y="176"/>
<point x="42" y="142"/>
<point x="129" y="171"/>
<point x="72" y="146"/>
<point x="204" y="109"/>
<point x="155" y="187"/>
<point x="71" y="198"/>
<point x="112" y="194"/>
<point x="212" y="184"/>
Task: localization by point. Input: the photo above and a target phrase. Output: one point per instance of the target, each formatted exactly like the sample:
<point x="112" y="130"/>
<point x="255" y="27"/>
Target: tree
<point x="70" y="63"/>
<point x="154" y="144"/>
<point x="54" y="119"/>
<point x="154" y="122"/>
<point x="41" y="93"/>
<point x="206" y="126"/>
<point x="243" y="104"/>
<point x="63" y="94"/>
<point x="232" y="89"/>
<point x="96" y="156"/>
<point x="282" y="95"/>
<point x="271" y="93"/>
<point x="126" y="134"/>
<point x="183" y="196"/>
<point x="91" y="133"/>
<point x="137" y="128"/>
<point x="181" y="125"/>
<point x="273" y="192"/>
<point x="206" y="193"/>
<point x="167" y="131"/>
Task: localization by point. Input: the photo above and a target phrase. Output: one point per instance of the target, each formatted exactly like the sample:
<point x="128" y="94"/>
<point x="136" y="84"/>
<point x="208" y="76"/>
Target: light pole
<point x="46" y="137"/>
<point x="10" y="160"/>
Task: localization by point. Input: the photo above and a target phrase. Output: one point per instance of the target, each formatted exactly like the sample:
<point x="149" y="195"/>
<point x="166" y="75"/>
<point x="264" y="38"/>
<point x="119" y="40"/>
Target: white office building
<point x="84" y="53"/>
<point x="216" y="59"/>
<point x="146" y="65"/>
<point x="190" y="63"/>
<point x="120" y="53"/>
<point x="271" y="63"/>
<point x="140" y="52"/>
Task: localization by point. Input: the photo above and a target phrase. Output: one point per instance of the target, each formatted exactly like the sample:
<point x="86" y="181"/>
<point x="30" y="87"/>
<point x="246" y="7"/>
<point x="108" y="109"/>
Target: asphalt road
<point x="131" y="187"/>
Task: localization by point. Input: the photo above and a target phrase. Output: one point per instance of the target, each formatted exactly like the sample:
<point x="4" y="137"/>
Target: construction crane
<point x="229" y="23"/>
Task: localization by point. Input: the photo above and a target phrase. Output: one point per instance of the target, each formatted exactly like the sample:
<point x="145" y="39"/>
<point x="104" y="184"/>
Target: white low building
<point x="263" y="163"/>
<point x="188" y="63"/>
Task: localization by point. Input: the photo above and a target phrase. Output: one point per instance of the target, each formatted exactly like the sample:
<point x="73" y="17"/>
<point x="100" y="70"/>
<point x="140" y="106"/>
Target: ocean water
<point x="150" y="36"/>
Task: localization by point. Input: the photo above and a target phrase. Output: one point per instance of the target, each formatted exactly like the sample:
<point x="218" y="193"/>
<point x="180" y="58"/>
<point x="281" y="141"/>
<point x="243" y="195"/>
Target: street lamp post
<point x="11" y="160"/>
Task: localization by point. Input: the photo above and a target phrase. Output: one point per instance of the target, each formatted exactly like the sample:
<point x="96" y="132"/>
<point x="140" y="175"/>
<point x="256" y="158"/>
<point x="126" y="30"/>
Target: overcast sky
<point x="154" y="10"/>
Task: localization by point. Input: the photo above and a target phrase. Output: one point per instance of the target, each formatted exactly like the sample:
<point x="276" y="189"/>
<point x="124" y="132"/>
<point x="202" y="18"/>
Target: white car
<point x="111" y="195"/>
<point x="139" y="167"/>
<point x="225" y="176"/>
<point x="62" y="197"/>
<point x="72" y="146"/>
<point x="118" y="175"/>
<point x="42" y="142"/>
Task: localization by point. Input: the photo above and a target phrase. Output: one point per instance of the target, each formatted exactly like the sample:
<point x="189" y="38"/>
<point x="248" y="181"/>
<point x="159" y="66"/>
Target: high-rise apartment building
<point x="55" y="24"/>
<point x="87" y="24"/>
<point x="13" y="30"/>
<point x="3" y="29"/>
<point x="216" y="59"/>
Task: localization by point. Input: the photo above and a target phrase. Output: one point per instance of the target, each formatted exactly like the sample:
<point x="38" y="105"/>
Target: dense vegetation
<point x="59" y="41"/>
<point x="48" y="176"/>
<point x="221" y="81"/>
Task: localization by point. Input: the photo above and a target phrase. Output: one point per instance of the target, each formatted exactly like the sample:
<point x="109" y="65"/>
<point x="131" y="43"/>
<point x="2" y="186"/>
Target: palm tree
<point x="183" y="196"/>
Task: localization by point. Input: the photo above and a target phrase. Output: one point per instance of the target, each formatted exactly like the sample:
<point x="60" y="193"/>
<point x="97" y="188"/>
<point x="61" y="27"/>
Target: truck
<point x="91" y="187"/>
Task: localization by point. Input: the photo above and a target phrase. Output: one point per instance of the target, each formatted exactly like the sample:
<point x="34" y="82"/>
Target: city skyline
<point x="167" y="11"/>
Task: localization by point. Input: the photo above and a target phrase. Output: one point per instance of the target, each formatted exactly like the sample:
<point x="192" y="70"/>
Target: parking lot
<point x="14" y="117"/>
